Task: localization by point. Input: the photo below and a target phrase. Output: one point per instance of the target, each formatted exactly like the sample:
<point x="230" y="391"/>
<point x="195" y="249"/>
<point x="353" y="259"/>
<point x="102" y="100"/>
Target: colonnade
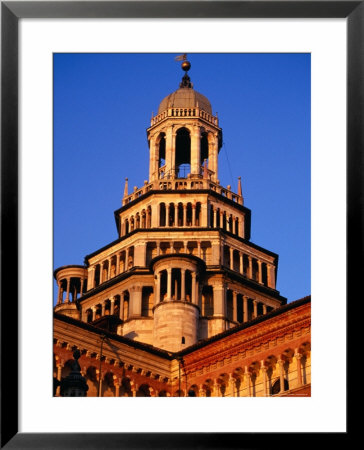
<point x="249" y="266"/>
<point x="271" y="376"/>
<point x="73" y="287"/>
<point x="110" y="267"/>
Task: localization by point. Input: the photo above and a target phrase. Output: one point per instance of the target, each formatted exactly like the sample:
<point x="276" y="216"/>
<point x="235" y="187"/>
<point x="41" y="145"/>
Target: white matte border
<point x="325" y="410"/>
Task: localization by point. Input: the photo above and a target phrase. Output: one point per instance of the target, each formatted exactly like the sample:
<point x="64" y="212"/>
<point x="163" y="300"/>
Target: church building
<point x="182" y="303"/>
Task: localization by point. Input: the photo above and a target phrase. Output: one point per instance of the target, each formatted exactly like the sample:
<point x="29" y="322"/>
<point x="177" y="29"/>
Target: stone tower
<point x="182" y="268"/>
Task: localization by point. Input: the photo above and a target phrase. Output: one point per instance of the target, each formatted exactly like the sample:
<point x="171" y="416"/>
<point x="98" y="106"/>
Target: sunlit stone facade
<point x="182" y="292"/>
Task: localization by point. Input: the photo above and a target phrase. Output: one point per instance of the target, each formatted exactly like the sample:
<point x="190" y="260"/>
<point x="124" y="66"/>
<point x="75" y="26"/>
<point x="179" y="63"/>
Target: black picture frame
<point x="11" y="12"/>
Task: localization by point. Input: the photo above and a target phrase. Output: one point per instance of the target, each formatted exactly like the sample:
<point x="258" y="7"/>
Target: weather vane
<point x="186" y="65"/>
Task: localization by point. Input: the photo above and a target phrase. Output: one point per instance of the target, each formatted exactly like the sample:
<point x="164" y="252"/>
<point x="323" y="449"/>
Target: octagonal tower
<point x="182" y="268"/>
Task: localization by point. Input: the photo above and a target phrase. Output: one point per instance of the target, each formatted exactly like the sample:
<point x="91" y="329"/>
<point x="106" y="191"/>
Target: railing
<point x="172" y="180"/>
<point x="184" y="112"/>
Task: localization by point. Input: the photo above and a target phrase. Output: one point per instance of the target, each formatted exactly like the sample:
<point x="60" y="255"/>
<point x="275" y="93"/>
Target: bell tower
<point x="184" y="137"/>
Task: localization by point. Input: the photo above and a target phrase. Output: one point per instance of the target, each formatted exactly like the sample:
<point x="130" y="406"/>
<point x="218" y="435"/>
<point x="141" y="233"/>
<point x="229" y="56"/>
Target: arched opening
<point x="276" y="388"/>
<point x="97" y="275"/>
<point x="163" y="292"/>
<point x="229" y="305"/>
<point x="143" y="391"/>
<point x="188" y="281"/>
<point x="126" y="305"/>
<point x="204" y="148"/>
<point x="108" y="388"/>
<point x="161" y="146"/>
<point x="147" y="301"/>
<point x="198" y="214"/>
<point x="183" y="153"/>
<point x="162" y="215"/>
<point x="207" y="301"/>
<point x="176" y="284"/>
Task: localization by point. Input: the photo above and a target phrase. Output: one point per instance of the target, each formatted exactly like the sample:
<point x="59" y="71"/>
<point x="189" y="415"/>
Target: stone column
<point x="93" y="308"/>
<point x="60" y="293"/>
<point x="255" y="304"/>
<point x="101" y="273"/>
<point x="235" y="306"/>
<point x="264" y="308"/>
<point x="109" y="269"/>
<point x="59" y="378"/>
<point x="250" y="267"/>
<point x="247" y="381"/>
<point x="112" y="305"/>
<point x="68" y="280"/>
<point x="201" y="391"/>
<point x="199" y="249"/>
<point x="214" y="156"/>
<point x="157" y="289"/>
<point x="103" y="309"/>
<point x="298" y="357"/>
<point x="215" y="218"/>
<point x="245" y="308"/>
<point x="117" y="268"/>
<point x="221" y="218"/>
<point x="270" y="276"/>
<point x="91" y="278"/>
<point x="194" y="285"/>
<point x="281" y="375"/>
<point x="82" y="280"/>
<point x="169" y="283"/>
<point x="121" y="309"/>
<point x="231" y="385"/>
<point x="184" y="215"/>
<point x="126" y="265"/>
<point x="167" y="215"/>
<point x="216" y="389"/>
<point x="228" y="223"/>
<point x="170" y="149"/>
<point x="260" y="274"/>
<point x="195" y="151"/>
<point x="264" y="373"/>
<point x="183" y="284"/>
<point x="241" y="228"/>
<point x="241" y="261"/>
<point x="193" y="215"/>
<point x="176" y="215"/>
<point x="117" y="389"/>
<point x="231" y="258"/>
<point x="153" y="160"/>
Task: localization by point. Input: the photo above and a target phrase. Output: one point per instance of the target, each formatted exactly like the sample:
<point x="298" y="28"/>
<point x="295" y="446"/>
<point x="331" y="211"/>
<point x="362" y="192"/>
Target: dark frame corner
<point x="11" y="12"/>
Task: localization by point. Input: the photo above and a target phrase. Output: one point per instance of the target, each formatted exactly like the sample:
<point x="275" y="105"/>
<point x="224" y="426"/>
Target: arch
<point x="143" y="391"/>
<point x="183" y="152"/>
<point x="162" y="215"/>
<point x="147" y="301"/>
<point x="207" y="301"/>
<point x="160" y="147"/>
<point x="107" y="386"/>
<point x="125" y="388"/>
<point x="193" y="391"/>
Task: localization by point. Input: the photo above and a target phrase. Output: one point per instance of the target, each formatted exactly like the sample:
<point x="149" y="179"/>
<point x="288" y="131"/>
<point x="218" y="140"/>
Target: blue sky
<point x="102" y="108"/>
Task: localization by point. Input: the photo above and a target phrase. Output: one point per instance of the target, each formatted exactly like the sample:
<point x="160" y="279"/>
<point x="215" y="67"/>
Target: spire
<point x="239" y="187"/>
<point x="126" y="193"/>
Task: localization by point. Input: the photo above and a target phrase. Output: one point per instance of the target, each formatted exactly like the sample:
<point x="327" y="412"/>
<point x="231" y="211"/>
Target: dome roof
<point x="185" y="98"/>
